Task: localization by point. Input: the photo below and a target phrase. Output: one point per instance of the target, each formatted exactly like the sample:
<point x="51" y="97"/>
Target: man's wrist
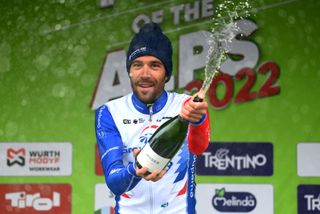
<point x="200" y="121"/>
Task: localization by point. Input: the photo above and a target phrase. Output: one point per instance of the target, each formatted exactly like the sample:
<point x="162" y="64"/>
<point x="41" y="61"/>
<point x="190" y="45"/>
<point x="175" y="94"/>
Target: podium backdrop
<point x="61" y="59"/>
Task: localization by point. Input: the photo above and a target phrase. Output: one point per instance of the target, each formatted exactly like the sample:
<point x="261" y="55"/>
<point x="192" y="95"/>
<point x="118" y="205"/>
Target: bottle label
<point x="148" y="158"/>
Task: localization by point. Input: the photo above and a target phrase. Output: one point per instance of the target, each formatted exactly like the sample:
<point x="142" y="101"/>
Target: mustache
<point x="145" y="81"/>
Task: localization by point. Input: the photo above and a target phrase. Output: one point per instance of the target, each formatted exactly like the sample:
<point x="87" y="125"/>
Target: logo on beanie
<point x="138" y="51"/>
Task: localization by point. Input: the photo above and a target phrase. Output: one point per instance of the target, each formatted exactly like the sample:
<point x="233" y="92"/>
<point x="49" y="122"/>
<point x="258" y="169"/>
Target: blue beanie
<point x="150" y="41"/>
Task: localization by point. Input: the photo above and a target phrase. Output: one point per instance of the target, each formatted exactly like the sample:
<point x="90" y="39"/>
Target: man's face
<point x="148" y="77"/>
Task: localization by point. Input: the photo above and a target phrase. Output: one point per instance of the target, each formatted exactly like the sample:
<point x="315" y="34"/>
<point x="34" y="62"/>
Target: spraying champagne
<point x="168" y="139"/>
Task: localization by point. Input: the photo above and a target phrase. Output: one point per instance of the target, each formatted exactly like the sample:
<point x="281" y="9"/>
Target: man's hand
<point x="193" y="111"/>
<point x="154" y="176"/>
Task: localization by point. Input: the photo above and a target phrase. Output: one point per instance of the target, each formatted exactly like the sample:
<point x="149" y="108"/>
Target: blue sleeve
<point x="119" y="178"/>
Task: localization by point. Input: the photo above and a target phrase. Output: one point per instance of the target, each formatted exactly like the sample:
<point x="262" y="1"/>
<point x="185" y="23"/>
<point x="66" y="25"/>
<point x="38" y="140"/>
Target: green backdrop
<point x="52" y="52"/>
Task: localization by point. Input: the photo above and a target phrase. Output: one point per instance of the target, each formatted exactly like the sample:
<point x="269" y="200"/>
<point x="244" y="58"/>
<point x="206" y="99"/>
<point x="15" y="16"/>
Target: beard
<point x="147" y="90"/>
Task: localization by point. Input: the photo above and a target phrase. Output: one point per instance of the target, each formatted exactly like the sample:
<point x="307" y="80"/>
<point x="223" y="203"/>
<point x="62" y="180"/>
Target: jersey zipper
<point x="150" y="111"/>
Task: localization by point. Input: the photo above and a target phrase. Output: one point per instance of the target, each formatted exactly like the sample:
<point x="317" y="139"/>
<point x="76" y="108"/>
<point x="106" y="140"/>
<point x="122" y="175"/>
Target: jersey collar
<point x="158" y="104"/>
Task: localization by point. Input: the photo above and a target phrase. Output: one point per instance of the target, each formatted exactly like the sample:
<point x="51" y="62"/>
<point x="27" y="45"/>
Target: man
<point x="124" y="125"/>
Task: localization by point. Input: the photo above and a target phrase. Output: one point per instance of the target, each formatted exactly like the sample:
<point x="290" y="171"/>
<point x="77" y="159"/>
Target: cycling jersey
<point x="127" y="123"/>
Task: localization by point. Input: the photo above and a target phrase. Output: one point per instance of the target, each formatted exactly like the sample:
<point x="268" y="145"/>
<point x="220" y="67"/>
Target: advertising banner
<point x="254" y="159"/>
<point x="308" y="159"/>
<point x="104" y="201"/>
<point x="235" y="198"/>
<point x="60" y="60"/>
<point x="35" y="198"/>
<point x="308" y="199"/>
<point x="35" y="159"/>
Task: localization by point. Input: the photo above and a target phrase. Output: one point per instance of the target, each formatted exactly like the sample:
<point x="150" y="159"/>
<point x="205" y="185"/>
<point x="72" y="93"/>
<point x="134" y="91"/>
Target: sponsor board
<point x="35" y="159"/>
<point x="103" y="200"/>
<point x="35" y="198"/>
<point x="235" y="198"/>
<point x="308" y="159"/>
<point x="252" y="159"/>
<point x="308" y="199"/>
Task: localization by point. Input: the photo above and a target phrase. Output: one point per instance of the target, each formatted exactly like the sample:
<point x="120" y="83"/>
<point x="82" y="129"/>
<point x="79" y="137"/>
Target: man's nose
<point x="145" y="70"/>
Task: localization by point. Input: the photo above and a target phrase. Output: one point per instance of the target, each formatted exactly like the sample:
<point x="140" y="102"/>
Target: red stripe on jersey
<point x="183" y="190"/>
<point x="125" y="195"/>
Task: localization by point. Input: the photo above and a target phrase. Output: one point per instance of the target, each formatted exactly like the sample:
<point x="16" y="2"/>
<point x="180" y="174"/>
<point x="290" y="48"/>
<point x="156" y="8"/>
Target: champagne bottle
<point x="164" y="144"/>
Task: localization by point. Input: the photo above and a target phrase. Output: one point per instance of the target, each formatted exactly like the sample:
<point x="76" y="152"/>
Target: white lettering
<point x="313" y="203"/>
<point x="114" y="81"/>
<point x="237" y="162"/>
<point x="193" y="49"/>
<point x="192" y="11"/>
<point x="30" y="198"/>
<point x="207" y="8"/>
<point x="42" y="204"/>
<point x="23" y="200"/>
<point x="192" y="55"/>
<point x="157" y="16"/>
<point x="15" y="197"/>
<point x="235" y="202"/>
<point x="176" y="13"/>
<point x="140" y="20"/>
<point x="247" y="49"/>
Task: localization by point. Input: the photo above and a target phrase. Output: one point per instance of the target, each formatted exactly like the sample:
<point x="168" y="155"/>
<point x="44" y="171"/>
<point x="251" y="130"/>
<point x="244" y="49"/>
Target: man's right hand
<point x="154" y="176"/>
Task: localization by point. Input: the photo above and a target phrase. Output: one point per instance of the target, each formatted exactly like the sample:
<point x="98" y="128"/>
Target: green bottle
<point x="163" y="145"/>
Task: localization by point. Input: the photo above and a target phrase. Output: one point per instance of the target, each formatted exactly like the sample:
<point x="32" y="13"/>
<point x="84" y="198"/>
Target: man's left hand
<point x="193" y="111"/>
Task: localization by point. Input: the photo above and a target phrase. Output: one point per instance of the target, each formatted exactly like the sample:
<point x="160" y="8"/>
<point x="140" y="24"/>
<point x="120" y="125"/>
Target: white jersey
<point x="125" y="124"/>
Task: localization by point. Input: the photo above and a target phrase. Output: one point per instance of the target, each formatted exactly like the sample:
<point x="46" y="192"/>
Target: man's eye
<point x="136" y="65"/>
<point x="156" y="65"/>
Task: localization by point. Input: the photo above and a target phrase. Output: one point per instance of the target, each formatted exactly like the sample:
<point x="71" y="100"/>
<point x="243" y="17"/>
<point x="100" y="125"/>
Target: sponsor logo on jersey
<point x="126" y="121"/>
<point x="133" y="121"/>
<point x="146" y="133"/>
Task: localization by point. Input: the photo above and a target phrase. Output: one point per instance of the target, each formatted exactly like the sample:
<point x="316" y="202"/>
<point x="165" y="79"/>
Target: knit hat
<point x="150" y="41"/>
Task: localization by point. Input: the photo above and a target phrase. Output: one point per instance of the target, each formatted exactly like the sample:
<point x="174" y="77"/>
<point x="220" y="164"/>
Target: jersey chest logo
<point x="146" y="133"/>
